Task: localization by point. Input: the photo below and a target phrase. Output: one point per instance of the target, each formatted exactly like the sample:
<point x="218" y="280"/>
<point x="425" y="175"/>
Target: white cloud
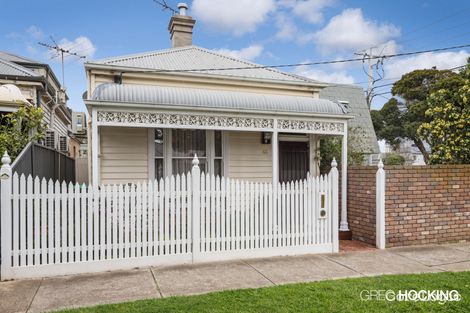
<point x="238" y="17"/>
<point x="81" y="45"/>
<point x="350" y="31"/>
<point x="248" y="53"/>
<point x="442" y="60"/>
<point x="338" y="77"/>
<point x="35" y="32"/>
<point x="311" y="10"/>
<point x="287" y="30"/>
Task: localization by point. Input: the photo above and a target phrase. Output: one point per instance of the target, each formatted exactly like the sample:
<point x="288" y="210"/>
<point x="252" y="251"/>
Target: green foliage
<point x="331" y="147"/>
<point x="448" y="128"/>
<point x="18" y="128"/>
<point x="388" y="123"/>
<point x="393" y="159"/>
<point x="398" y="120"/>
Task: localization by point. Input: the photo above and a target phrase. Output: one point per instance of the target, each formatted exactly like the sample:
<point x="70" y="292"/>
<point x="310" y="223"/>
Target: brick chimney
<point x="181" y="28"/>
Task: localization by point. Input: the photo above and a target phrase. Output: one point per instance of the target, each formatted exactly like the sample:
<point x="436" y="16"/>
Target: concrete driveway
<point x="112" y="287"/>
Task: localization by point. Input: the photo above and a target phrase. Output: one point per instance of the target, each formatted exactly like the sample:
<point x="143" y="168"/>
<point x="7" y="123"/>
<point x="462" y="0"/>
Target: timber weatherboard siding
<point x="123" y="155"/>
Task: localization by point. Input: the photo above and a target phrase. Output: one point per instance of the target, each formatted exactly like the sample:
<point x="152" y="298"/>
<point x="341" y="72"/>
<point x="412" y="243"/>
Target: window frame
<point x="168" y="152"/>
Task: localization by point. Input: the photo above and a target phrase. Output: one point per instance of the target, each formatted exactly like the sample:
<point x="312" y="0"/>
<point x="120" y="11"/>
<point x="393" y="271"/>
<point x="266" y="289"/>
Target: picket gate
<point x="51" y="228"/>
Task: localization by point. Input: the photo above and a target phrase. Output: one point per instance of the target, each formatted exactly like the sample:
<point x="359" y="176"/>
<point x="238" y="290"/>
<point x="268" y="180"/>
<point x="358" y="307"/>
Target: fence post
<point x="196" y="207"/>
<point x="380" y="206"/>
<point x="334" y="203"/>
<point x="5" y="213"/>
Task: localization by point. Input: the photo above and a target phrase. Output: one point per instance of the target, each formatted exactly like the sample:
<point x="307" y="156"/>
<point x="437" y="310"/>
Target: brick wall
<point x="361" y="203"/>
<point x="425" y="204"/>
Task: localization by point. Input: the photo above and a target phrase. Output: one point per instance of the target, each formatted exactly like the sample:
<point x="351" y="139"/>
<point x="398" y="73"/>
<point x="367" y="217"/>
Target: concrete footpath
<point x="112" y="287"/>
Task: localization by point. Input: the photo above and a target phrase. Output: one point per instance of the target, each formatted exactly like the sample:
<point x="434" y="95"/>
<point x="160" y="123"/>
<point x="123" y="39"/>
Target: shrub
<point x="393" y="159"/>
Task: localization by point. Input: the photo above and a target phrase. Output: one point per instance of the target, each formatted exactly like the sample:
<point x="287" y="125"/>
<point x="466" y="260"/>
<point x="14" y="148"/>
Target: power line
<point x="303" y="64"/>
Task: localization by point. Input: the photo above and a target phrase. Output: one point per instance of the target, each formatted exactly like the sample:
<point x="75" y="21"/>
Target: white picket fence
<point x="50" y="228"/>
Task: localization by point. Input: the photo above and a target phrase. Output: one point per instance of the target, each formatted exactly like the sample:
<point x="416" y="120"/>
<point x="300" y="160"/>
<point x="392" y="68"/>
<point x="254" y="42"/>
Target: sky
<point x="267" y="32"/>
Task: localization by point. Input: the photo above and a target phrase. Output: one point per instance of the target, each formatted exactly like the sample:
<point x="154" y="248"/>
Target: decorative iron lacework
<point x="184" y="120"/>
<point x="326" y="127"/>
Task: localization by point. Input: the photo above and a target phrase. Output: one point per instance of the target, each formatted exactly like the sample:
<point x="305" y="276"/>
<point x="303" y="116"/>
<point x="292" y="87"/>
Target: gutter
<point x="139" y="70"/>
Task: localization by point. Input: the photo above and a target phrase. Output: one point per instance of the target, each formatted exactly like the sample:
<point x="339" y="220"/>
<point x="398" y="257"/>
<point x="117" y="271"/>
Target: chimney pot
<point x="182" y="7"/>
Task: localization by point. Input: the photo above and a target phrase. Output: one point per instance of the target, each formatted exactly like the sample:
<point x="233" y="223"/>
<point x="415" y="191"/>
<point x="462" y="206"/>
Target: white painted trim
<point x="95" y="149"/>
<point x="275" y="155"/>
<point x="212" y="120"/>
<point x="344" y="181"/>
<point x="380" y="206"/>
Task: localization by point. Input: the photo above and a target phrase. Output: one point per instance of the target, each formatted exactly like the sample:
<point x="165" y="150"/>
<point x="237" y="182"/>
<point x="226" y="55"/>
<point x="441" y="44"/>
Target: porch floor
<point x="354" y="245"/>
<point x="112" y="287"/>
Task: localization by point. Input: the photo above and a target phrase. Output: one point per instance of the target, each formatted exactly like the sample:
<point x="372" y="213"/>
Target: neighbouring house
<point x="354" y="100"/>
<point x="408" y="149"/>
<point x="11" y="98"/>
<point x="152" y="112"/>
<point x="40" y="87"/>
<point x="79" y="131"/>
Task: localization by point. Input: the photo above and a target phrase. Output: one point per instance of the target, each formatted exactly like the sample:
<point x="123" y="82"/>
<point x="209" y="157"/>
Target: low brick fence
<point x="423" y="204"/>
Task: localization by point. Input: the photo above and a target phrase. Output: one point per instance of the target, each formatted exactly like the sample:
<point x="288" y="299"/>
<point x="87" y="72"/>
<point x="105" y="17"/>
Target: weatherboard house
<point x="151" y="113"/>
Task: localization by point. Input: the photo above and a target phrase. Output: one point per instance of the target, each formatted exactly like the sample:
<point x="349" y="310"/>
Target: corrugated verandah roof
<point x="197" y="58"/>
<point x="214" y="99"/>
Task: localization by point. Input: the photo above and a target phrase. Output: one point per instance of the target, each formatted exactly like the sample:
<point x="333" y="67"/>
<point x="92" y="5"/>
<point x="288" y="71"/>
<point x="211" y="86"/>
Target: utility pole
<point x="370" y="73"/>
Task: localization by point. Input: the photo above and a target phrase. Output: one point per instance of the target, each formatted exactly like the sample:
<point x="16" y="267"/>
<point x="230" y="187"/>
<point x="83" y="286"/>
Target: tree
<point x="330" y="147"/>
<point x="18" y="128"/>
<point x="388" y="123"/>
<point x="400" y="118"/>
<point x="448" y="128"/>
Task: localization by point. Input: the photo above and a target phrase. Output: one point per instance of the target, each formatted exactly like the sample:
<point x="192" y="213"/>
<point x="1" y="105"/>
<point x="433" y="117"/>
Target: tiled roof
<point x="197" y="59"/>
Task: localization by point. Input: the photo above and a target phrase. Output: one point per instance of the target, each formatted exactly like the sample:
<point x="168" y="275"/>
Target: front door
<point x="293" y="160"/>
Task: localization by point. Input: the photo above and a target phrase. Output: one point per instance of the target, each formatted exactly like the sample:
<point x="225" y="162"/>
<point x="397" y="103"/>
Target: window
<point x="159" y="155"/>
<point x="218" y="155"/>
<point x="174" y="151"/>
<point x="184" y="145"/>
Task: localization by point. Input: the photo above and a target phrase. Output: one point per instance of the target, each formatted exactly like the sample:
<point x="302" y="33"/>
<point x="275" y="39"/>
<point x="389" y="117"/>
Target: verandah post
<point x="380" y="206"/>
<point x="334" y="203"/>
<point x="196" y="200"/>
<point x="5" y="213"/>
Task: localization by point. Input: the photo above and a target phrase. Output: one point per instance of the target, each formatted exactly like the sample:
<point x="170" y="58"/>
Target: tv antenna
<point x="165" y="6"/>
<point x="60" y="52"/>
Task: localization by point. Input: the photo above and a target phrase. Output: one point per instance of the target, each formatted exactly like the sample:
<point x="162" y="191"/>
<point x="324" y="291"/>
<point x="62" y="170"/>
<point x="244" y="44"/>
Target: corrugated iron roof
<point x="12" y="69"/>
<point x="220" y="99"/>
<point x="197" y="58"/>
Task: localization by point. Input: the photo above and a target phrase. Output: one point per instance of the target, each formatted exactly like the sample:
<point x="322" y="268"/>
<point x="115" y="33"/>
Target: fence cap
<point x="6" y="158"/>
<point x="380" y="165"/>
<point x="195" y="160"/>
<point x="334" y="163"/>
